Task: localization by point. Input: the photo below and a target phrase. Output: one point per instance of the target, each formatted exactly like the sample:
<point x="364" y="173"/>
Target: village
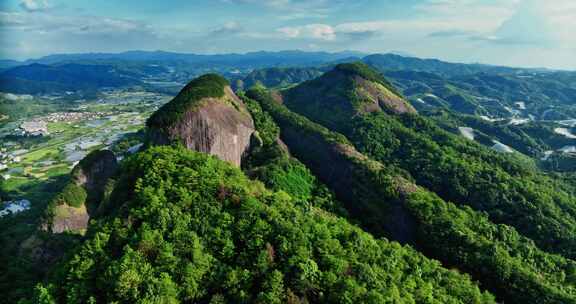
<point x="42" y="147"/>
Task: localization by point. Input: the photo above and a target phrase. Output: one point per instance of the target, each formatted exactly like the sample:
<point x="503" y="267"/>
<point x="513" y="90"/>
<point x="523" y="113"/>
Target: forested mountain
<point x="335" y="190"/>
<point x="530" y="111"/>
<point x="455" y="235"/>
<point x="459" y="171"/>
<point x="278" y="77"/>
<point x="39" y="78"/>
<point x="251" y="59"/>
<point x="200" y="231"/>
<point x="152" y="70"/>
<point x="182" y="226"/>
<point x="395" y="62"/>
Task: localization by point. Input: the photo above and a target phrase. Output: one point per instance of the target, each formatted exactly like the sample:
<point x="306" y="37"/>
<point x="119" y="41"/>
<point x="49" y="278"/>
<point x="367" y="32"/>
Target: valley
<point x="84" y="126"/>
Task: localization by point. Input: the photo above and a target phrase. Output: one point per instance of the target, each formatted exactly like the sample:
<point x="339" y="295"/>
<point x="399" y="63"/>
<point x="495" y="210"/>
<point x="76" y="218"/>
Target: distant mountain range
<point x="41" y="78"/>
<point x="262" y="58"/>
<point x="79" y="72"/>
<point x="143" y="68"/>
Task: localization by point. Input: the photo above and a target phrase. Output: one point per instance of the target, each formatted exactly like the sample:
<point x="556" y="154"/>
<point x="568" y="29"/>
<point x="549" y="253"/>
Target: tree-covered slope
<point x="191" y="228"/>
<point x="347" y="90"/>
<point x="385" y="202"/>
<point x="509" y="190"/>
<point x="40" y="78"/>
<point x="278" y="77"/>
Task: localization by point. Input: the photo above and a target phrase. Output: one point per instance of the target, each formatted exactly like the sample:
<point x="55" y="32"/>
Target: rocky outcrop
<point x="94" y="170"/>
<point x="68" y="218"/>
<point x="218" y="124"/>
<point x="72" y="208"/>
<point x="377" y="97"/>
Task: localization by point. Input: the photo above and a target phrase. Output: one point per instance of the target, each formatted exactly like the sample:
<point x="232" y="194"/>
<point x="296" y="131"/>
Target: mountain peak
<point x="348" y="90"/>
<point x="206" y="86"/>
<point x="359" y="69"/>
<point x="206" y="116"/>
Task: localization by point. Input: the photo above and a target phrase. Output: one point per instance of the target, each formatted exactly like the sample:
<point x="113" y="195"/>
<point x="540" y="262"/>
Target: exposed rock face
<point x="217" y="126"/>
<point x="94" y="170"/>
<point x="69" y="218"/>
<point x="380" y="98"/>
<point x="71" y="209"/>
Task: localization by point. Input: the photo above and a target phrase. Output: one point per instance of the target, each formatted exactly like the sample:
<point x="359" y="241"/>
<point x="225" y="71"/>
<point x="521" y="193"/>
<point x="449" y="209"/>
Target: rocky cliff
<point x="206" y="116"/>
<point x="94" y="170"/>
<point x="68" y="218"/>
<point x="72" y="208"/>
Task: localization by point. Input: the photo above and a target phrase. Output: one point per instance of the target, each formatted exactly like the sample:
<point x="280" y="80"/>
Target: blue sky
<point x="509" y="32"/>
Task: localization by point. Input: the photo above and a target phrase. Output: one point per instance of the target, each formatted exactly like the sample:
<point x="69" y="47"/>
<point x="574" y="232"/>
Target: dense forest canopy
<point x="461" y="236"/>
<point x="196" y="229"/>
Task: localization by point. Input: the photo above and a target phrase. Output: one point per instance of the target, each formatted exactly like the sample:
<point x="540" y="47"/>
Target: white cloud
<point x="25" y="35"/>
<point x="23" y="22"/>
<point x="309" y="31"/>
<point x="551" y="24"/>
<point x="520" y="22"/>
<point x="34" y="5"/>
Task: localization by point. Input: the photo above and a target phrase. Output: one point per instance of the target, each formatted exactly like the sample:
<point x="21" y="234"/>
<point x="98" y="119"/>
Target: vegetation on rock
<point x="207" y="86"/>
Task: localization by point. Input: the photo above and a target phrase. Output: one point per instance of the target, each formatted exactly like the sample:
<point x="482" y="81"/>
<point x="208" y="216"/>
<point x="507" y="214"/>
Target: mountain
<point x="253" y="59"/>
<point x="346" y="91"/>
<point x="196" y="229"/>
<point x="6" y="63"/>
<point x="395" y="62"/>
<point x="222" y="125"/>
<point x="530" y="110"/>
<point x="491" y="91"/>
<point x="158" y="70"/>
<point x="492" y="95"/>
<point x="277" y="77"/>
<point x="436" y="159"/>
<point x="40" y="78"/>
<point x="507" y="190"/>
<point x="185" y="226"/>
<point x="476" y="89"/>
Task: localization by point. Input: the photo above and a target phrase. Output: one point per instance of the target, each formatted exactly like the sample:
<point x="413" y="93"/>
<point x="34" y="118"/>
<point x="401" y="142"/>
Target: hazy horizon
<point x="362" y="54"/>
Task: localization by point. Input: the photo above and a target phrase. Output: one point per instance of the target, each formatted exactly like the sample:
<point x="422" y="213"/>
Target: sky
<point x="528" y="33"/>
